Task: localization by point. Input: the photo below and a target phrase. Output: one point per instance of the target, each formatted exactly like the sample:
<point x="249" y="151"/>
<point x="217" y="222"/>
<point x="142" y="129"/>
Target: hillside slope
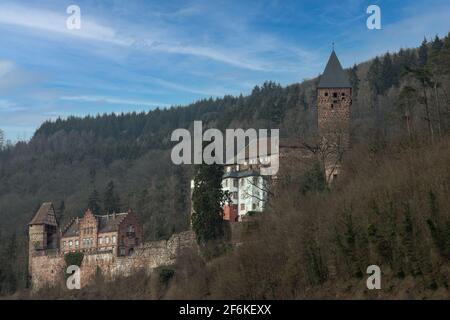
<point x="67" y="160"/>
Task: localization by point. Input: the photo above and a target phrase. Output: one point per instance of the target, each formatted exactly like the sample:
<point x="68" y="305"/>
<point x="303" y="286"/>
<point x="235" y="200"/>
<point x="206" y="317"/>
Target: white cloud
<point x="45" y="20"/>
<point x="112" y="100"/>
<point x="5" y="67"/>
<point x="156" y="40"/>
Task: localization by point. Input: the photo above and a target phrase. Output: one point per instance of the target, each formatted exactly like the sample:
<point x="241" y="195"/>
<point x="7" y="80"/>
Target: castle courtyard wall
<point x="47" y="269"/>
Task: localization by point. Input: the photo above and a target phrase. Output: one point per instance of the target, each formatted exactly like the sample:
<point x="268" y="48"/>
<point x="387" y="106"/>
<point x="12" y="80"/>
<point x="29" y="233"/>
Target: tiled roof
<point x="45" y="215"/>
<point x="110" y="223"/>
<point x="334" y="76"/>
<point x="105" y="223"/>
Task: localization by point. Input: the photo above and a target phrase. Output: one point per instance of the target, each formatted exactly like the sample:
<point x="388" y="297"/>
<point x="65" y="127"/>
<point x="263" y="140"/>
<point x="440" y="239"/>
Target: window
<point x="228" y="169"/>
<point x="77" y="243"/>
<point x="107" y="239"/>
<point x="70" y="243"/>
<point x="130" y="228"/>
<point x="343" y="94"/>
<point x="113" y="239"/>
<point x="242" y="206"/>
<point x="225" y="183"/>
<point x="326" y="94"/>
<point x="243" y="182"/>
<point x="334" y="94"/>
<point x="235" y="183"/>
<point x="332" y="106"/>
<point x="100" y="240"/>
<point x="254" y="206"/>
<point x="64" y="243"/>
<point x="235" y="195"/>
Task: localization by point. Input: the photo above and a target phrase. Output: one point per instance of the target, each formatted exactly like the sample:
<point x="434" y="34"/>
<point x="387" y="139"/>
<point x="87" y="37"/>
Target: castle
<point x="110" y="243"/>
<point x="244" y="182"/>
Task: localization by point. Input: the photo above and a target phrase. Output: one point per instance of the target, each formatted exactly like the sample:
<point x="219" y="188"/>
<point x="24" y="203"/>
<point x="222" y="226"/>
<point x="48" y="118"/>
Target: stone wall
<point x="47" y="269"/>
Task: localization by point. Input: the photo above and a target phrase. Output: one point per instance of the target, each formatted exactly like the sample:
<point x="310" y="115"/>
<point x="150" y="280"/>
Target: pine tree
<point x="423" y="53"/>
<point x="354" y="81"/>
<point x="387" y="75"/>
<point x="2" y="139"/>
<point x="111" y="200"/>
<point x="94" y="202"/>
<point x="208" y="199"/>
<point x="60" y="211"/>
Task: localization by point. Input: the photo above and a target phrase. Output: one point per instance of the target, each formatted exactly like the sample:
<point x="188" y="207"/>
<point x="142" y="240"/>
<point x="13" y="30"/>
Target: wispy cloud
<point x="50" y="21"/>
<point x="5" y="67"/>
<point x="46" y="20"/>
<point x="112" y="100"/>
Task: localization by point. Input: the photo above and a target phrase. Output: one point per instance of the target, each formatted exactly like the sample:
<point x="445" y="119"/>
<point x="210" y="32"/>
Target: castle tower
<point x="42" y="231"/>
<point x="334" y="99"/>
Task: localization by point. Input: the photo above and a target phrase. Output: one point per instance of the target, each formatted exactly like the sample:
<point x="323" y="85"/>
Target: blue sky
<point x="137" y="55"/>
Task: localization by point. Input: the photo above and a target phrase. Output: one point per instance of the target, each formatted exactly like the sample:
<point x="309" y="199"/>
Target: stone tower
<point x="334" y="99"/>
<point x="43" y="231"/>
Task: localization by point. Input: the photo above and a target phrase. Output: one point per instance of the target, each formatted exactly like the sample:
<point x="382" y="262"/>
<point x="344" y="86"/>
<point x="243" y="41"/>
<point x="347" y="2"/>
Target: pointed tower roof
<point x="45" y="215"/>
<point x="334" y="76"/>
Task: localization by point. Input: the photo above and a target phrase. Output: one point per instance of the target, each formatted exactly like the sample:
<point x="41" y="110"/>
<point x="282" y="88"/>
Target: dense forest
<point x="119" y="161"/>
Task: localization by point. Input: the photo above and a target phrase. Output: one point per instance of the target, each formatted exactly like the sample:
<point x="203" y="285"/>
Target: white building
<point x="247" y="190"/>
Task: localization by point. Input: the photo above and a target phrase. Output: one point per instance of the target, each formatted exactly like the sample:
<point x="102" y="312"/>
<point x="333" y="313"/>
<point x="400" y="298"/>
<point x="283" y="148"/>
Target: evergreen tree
<point x="94" y="202"/>
<point x="2" y="139"/>
<point x="354" y="80"/>
<point x="111" y="200"/>
<point x="208" y="199"/>
<point x="60" y="211"/>
<point x="375" y="77"/>
<point x="423" y="53"/>
<point x="387" y="75"/>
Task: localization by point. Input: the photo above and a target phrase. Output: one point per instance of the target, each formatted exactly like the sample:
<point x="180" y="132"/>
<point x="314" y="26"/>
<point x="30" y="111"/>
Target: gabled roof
<point x="105" y="223"/>
<point x="45" y="215"/>
<point x="334" y="76"/>
<point x="109" y="223"/>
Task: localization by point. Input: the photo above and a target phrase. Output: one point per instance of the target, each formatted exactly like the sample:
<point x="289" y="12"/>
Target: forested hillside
<point x="73" y="161"/>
